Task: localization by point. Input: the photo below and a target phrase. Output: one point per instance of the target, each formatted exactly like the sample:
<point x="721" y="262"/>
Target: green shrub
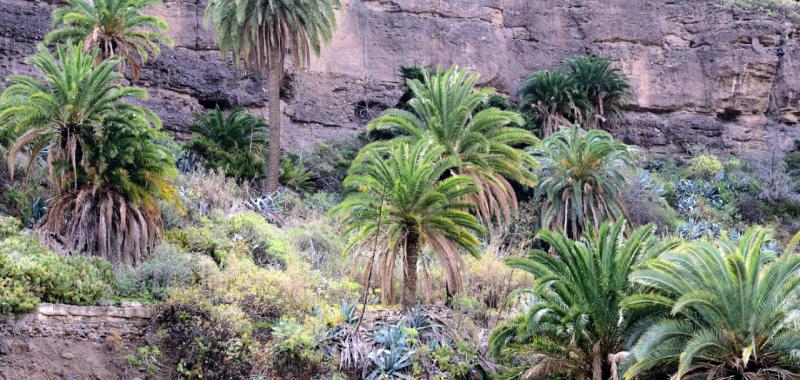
<point x="210" y="342"/>
<point x="298" y="344"/>
<point x="330" y="160"/>
<point x="146" y="358"/>
<point x="705" y="166"/>
<point x="234" y="143"/>
<point x="30" y="273"/>
<point x="318" y="243"/>
<point x="294" y="175"/>
<point x="169" y="269"/>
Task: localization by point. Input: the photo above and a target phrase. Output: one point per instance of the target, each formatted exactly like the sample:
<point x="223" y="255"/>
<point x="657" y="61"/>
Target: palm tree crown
<point x="485" y="145"/>
<point x="400" y="200"/>
<point x="251" y="29"/>
<point x="581" y="171"/>
<point x="606" y="88"/>
<point x="116" y="27"/>
<point x="555" y="98"/>
<point x="51" y="114"/>
<point x="730" y="310"/>
<point x="576" y="320"/>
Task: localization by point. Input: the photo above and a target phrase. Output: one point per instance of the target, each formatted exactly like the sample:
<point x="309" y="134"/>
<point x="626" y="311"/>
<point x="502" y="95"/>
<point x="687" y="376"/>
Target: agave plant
<point x="606" y="88"/>
<point x="486" y="144"/>
<point x="729" y="310"/>
<point x="117" y="28"/>
<point x="582" y="178"/>
<point x="576" y="320"/>
<point x="555" y="98"/>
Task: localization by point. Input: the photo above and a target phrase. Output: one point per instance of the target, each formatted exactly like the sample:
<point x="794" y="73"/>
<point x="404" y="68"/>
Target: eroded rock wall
<point x="703" y="75"/>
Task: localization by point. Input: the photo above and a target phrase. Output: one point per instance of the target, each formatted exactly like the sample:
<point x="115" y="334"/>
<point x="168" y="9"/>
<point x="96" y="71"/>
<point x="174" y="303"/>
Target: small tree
<point x="576" y="320"/>
<point x="605" y="87"/>
<point x="105" y="165"/>
<point x="399" y="200"/>
<point x="233" y="142"/>
<point x="555" y="99"/>
<point x="581" y="179"/>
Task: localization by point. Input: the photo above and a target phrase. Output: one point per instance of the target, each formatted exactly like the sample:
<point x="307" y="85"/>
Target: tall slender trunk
<point x="274" y="98"/>
<point x="597" y="362"/>
<point x="410" y="270"/>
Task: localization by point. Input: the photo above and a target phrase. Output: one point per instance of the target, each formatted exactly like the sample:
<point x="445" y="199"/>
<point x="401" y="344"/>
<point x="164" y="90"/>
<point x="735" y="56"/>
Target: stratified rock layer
<point x="704" y="76"/>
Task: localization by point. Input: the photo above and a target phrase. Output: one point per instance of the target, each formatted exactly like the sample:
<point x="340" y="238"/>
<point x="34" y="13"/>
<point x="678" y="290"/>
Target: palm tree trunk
<point x="274" y="98"/>
<point x="410" y="270"/>
<point x="597" y="362"/>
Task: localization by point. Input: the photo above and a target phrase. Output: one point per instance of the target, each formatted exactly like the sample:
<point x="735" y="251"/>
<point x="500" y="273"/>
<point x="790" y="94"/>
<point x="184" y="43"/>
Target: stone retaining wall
<point x="95" y="323"/>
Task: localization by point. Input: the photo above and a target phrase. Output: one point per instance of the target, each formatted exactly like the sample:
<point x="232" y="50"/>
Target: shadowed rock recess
<point x="703" y="74"/>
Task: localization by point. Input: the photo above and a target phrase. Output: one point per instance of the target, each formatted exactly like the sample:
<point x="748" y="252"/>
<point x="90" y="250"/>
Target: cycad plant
<point x="400" y="205"/>
<point x="555" y="98"/>
<point x="105" y="165"/>
<point x="235" y="142"/>
<point x="730" y="310"/>
<point x="485" y="146"/>
<point x="576" y="320"/>
<point x="581" y="179"/>
<point x="261" y="33"/>
<point x="117" y="28"/>
<point x="605" y="87"/>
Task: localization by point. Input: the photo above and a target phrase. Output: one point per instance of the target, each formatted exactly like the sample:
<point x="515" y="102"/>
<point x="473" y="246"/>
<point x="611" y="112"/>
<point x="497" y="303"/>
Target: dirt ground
<point x="49" y="358"/>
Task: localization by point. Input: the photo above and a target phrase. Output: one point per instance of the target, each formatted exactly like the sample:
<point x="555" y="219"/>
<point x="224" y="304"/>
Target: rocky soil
<point x="703" y="75"/>
<point x="73" y="343"/>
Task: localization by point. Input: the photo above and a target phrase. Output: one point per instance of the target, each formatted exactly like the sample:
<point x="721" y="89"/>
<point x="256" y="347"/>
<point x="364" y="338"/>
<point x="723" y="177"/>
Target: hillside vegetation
<point x="463" y="234"/>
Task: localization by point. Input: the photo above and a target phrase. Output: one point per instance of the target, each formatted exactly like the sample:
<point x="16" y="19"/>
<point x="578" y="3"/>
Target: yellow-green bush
<point x="705" y="166"/>
<point x="30" y="273"/>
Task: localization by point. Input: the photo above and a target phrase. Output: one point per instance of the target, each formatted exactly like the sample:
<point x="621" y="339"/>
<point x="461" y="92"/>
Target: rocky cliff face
<point x="703" y="75"/>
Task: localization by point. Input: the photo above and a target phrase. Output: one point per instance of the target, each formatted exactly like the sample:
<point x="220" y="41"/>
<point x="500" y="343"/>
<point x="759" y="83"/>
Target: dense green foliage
<point x="234" y="143"/>
<point x="116" y="28"/>
<point x="576" y="320"/>
<point x="586" y="93"/>
<point x="257" y="282"/>
<point x="30" y="273"/>
<point x="101" y="151"/>
<point x="729" y="309"/>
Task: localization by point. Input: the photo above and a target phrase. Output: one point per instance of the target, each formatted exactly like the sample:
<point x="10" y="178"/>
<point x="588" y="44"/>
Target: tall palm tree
<point x="581" y="179"/>
<point x="261" y="33"/>
<point x="485" y="145"/>
<point x="576" y="320"/>
<point x="400" y="201"/>
<point x="730" y="310"/>
<point x="606" y="88"/>
<point x="234" y="142"/>
<point x="555" y="98"/>
<point x="116" y="27"/>
<point x="104" y="163"/>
